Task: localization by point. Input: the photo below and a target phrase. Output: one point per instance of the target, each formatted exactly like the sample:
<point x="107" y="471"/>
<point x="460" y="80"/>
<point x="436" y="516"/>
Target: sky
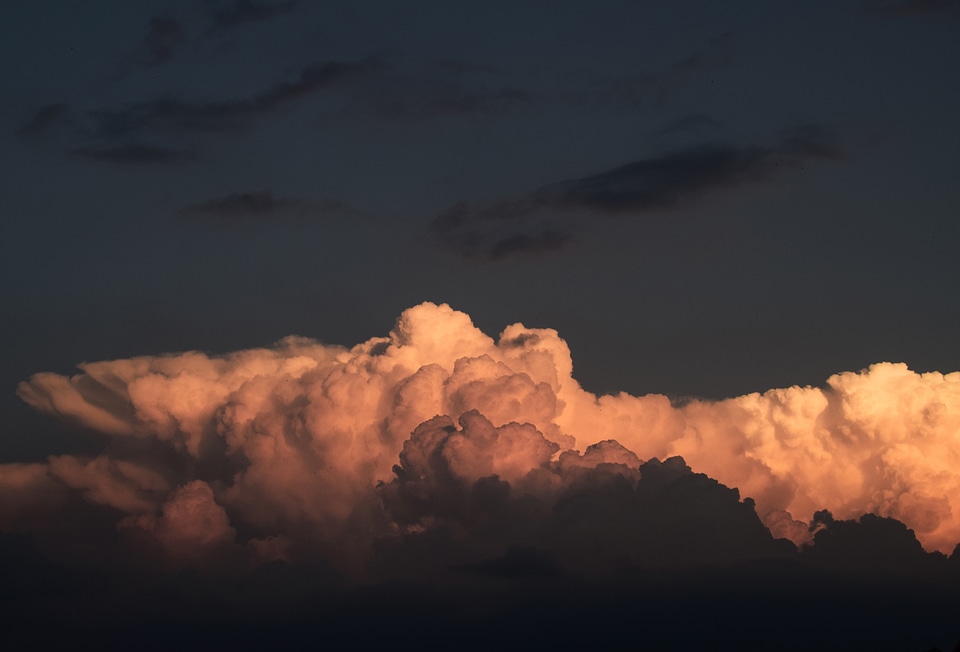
<point x="721" y="232"/>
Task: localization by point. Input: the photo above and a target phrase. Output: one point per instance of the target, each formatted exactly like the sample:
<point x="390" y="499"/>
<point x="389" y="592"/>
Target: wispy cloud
<point x="659" y="183"/>
<point x="242" y="12"/>
<point x="264" y="205"/>
<point x="44" y="119"/>
<point x="169" y="114"/>
<point x="136" y="154"/>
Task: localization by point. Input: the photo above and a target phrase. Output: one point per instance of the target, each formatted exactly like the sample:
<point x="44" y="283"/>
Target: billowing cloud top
<point x="307" y="450"/>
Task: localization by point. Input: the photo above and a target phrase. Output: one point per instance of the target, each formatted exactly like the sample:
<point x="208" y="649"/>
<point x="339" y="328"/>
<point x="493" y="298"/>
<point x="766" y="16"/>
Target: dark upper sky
<point x="703" y="198"/>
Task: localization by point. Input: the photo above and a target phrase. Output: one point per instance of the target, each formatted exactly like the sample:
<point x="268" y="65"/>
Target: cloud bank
<point x="284" y="452"/>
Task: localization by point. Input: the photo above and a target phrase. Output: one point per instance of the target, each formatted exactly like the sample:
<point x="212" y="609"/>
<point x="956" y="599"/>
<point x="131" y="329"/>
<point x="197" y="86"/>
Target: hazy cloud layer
<point x="661" y="183"/>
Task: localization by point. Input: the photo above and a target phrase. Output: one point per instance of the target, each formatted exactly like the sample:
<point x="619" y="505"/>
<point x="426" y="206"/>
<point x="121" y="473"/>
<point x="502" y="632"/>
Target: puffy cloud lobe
<point x="191" y="523"/>
<point x="30" y="495"/>
<point x="282" y="449"/>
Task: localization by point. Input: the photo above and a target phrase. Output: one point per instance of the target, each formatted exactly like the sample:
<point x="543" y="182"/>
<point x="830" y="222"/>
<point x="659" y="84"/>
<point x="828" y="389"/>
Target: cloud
<point x="242" y="204"/>
<point x="440" y="466"/>
<point x="264" y="205"/>
<point x="457" y="88"/>
<point x="167" y="118"/>
<point x="409" y="98"/>
<point x="169" y="114"/>
<point x="654" y="184"/>
<point x="242" y="12"/>
<point x="163" y="36"/>
<point x="136" y="154"/>
<point x="303" y="441"/>
<point x="549" y="239"/>
<point x="871" y="546"/>
<point x="44" y="119"/>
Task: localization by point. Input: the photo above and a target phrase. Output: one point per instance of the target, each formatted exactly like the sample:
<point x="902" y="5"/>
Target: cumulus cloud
<point x="441" y="444"/>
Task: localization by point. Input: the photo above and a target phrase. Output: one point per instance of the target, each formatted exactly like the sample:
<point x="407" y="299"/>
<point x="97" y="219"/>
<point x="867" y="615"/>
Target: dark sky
<point x="704" y="199"/>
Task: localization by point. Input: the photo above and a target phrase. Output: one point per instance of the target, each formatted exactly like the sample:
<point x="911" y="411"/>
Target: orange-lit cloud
<point x="303" y="444"/>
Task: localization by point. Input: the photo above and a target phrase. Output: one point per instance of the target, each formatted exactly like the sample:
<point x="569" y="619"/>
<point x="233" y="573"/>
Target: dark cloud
<point x="549" y="239"/>
<point x="597" y="513"/>
<point x="518" y="562"/>
<point x="169" y="114"/>
<point x="447" y="92"/>
<point x="163" y="35"/>
<point x="44" y="119"/>
<point x="486" y="530"/>
<point x="242" y="12"/>
<point x="135" y="154"/>
<point x="909" y="7"/>
<point x="408" y="99"/>
<point x="241" y="204"/>
<point x="669" y="179"/>
<point x="263" y="205"/>
<point x="654" y="184"/>
<point x="873" y="546"/>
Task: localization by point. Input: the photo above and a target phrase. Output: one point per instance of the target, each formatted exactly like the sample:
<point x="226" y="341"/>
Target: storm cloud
<point x="440" y="463"/>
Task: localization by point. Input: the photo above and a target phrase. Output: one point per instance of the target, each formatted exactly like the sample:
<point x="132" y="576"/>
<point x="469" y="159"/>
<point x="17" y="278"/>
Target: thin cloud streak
<point x="655" y="184"/>
<point x="264" y="205"/>
<point x="136" y="154"/>
<point x="44" y="119"/>
<point x="175" y="115"/>
<point x="243" y="12"/>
